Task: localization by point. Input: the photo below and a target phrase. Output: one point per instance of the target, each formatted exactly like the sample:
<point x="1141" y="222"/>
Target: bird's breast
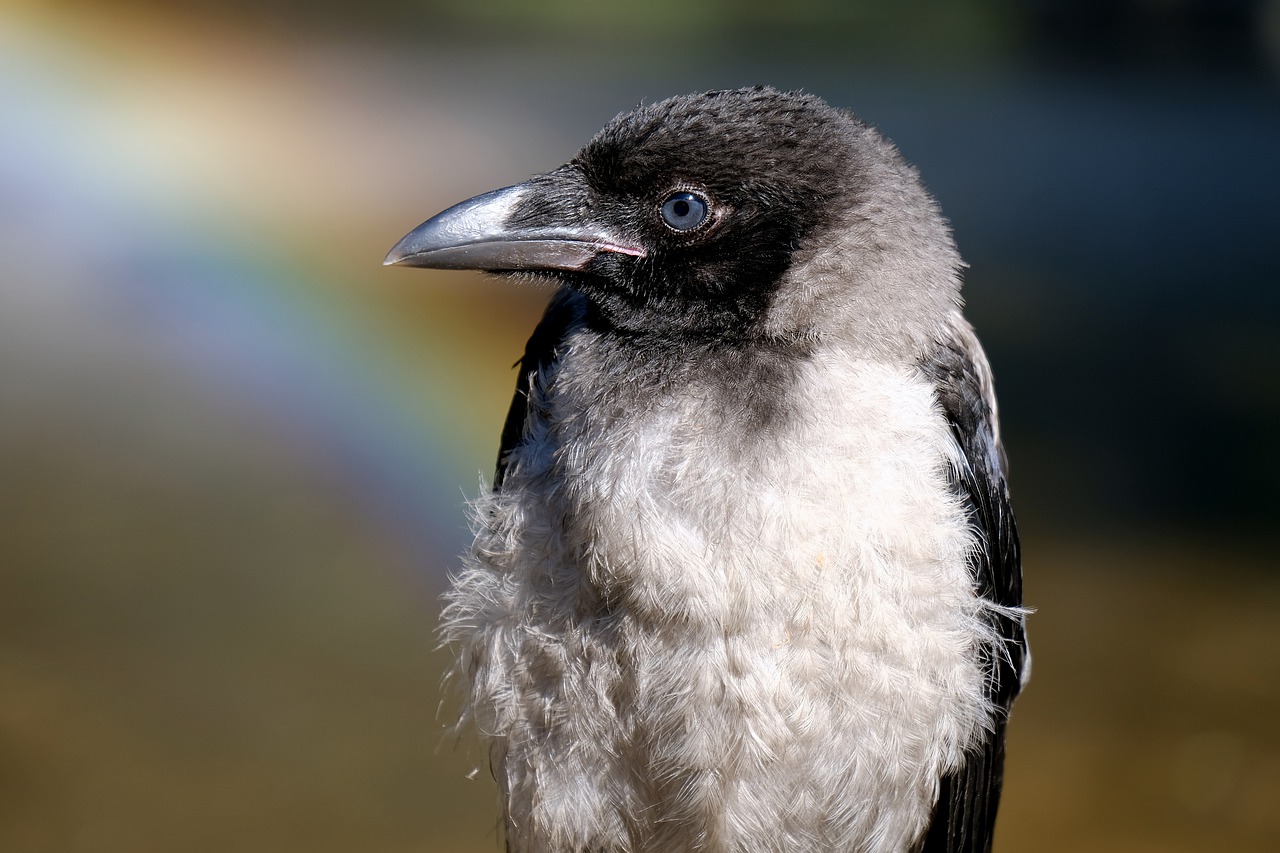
<point x="695" y="512"/>
<point x="771" y="619"/>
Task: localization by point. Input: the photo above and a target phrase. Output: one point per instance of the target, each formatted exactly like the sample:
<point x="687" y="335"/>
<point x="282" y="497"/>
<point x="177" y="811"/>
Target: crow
<point x="747" y="578"/>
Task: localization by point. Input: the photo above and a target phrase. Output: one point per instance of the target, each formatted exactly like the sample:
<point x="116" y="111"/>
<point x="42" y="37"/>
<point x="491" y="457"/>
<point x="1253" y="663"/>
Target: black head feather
<point x="773" y="167"/>
<point x="749" y="215"/>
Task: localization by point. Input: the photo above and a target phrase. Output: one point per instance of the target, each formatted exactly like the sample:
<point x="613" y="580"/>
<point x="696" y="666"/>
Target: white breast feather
<point x="682" y="637"/>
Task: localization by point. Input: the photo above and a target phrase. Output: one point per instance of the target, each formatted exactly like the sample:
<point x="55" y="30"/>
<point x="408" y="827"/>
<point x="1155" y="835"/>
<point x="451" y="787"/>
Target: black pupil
<point x="681" y="208"/>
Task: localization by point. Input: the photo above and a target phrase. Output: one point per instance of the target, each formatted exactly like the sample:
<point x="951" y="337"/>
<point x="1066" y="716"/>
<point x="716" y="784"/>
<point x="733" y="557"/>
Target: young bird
<point x="747" y="579"/>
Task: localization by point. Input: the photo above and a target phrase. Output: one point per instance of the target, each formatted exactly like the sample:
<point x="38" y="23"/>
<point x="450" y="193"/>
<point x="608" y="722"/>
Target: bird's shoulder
<point x="566" y="311"/>
<point x="964" y="816"/>
<point x="958" y="370"/>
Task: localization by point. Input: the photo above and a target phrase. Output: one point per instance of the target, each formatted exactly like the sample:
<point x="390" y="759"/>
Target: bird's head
<point x="695" y="214"/>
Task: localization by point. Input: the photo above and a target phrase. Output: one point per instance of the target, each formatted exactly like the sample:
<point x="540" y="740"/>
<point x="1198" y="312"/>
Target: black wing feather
<point x="566" y="310"/>
<point x="964" y="816"/>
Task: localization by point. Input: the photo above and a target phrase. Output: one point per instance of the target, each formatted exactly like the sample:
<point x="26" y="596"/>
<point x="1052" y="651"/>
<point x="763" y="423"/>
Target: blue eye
<point x="684" y="211"/>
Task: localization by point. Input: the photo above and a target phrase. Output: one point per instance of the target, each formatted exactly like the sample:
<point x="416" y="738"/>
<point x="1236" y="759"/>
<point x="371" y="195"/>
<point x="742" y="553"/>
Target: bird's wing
<point x="964" y="817"/>
<point x="566" y="310"/>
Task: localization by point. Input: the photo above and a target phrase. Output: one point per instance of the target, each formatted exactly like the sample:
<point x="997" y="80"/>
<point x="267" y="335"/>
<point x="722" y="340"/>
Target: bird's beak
<point x="537" y="225"/>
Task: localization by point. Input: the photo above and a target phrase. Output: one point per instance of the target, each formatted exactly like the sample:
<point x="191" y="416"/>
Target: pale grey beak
<point x="490" y="232"/>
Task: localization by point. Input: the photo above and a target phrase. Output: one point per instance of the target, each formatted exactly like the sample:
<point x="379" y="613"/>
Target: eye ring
<point x="685" y="211"/>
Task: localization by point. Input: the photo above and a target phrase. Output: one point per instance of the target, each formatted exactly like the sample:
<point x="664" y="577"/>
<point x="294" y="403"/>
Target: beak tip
<point x="398" y="254"/>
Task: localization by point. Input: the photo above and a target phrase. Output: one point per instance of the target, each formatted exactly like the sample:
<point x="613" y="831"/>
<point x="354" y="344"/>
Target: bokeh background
<point x="234" y="449"/>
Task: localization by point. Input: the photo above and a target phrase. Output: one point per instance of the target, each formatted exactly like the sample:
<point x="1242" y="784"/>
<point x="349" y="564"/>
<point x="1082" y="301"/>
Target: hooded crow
<point x="747" y="578"/>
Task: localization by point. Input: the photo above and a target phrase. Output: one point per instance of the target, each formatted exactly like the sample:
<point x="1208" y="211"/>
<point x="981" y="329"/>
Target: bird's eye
<point x="685" y="211"/>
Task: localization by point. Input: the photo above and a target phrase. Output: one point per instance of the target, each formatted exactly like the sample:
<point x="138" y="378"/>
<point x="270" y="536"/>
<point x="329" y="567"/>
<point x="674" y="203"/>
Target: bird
<point x="747" y="577"/>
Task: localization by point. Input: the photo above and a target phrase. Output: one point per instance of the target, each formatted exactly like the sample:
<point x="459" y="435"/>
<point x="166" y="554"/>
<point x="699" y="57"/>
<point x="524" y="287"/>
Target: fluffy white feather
<point x="673" y="632"/>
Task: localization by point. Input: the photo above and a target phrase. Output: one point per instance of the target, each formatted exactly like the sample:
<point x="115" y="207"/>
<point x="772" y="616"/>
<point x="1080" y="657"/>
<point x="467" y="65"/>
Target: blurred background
<point x="234" y="449"/>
